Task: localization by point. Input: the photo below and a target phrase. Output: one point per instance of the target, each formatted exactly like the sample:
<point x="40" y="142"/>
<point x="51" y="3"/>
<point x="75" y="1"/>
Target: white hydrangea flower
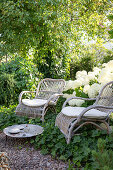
<point x="80" y="74"/>
<point x="94" y="90"/>
<point x="96" y="86"/>
<point x="76" y="102"/>
<point x="81" y="80"/>
<point x="79" y="102"/>
<point x="72" y="102"/>
<point x="66" y="95"/>
<point x="104" y="64"/>
<point x="86" y="80"/>
<point x="91" y="75"/>
<point x="74" y="93"/>
<point x="92" y="93"/>
<point x="86" y="88"/>
<point x="105" y="76"/>
<point x="72" y="84"/>
<point x="109" y="65"/>
<point x="76" y="84"/>
<point x="68" y="85"/>
<point x="96" y="70"/>
<point x="69" y="95"/>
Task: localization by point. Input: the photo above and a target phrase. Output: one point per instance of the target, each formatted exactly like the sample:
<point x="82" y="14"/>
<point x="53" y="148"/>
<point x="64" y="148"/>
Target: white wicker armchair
<point x="46" y="97"/>
<point x="70" y="119"/>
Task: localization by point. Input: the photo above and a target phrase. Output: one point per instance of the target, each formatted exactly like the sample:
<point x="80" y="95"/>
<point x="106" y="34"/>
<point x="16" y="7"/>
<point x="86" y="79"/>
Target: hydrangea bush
<point x="88" y="84"/>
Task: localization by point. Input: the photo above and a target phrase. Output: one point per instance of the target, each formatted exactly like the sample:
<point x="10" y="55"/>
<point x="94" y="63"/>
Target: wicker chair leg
<point x="43" y="117"/>
<point x="108" y="128"/>
<point x="43" y="113"/>
<point x="71" y="131"/>
<point x="68" y="139"/>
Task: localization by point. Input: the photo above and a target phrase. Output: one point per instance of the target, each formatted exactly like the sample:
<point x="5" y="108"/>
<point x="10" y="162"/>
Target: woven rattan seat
<point x="46" y="97"/>
<point x="69" y="120"/>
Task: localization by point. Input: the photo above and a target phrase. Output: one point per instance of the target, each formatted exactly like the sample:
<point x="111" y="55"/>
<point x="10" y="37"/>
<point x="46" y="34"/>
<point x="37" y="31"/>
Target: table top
<point x="23" y="130"/>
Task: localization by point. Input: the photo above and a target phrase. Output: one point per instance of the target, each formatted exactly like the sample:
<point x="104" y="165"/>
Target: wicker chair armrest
<point x="92" y="107"/>
<point x="81" y="98"/>
<point x="52" y="97"/>
<point x="23" y="92"/>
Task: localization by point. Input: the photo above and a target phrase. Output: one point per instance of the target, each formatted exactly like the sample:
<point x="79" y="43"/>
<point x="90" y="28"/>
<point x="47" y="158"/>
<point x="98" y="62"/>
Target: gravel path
<point x="22" y="156"/>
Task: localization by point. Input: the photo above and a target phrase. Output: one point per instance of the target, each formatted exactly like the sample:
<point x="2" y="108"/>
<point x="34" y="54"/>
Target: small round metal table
<point x="23" y="131"/>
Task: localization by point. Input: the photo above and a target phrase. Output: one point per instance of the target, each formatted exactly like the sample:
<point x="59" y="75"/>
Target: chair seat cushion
<point x="75" y="111"/>
<point x="34" y="102"/>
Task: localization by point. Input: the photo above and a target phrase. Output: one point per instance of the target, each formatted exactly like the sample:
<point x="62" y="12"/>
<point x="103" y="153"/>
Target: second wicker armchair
<point x="46" y="97"/>
<point x="71" y="119"/>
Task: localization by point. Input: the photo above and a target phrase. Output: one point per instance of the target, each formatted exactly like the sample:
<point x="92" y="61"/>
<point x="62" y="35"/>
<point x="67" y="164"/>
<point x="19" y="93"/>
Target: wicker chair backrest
<point x="47" y="87"/>
<point x="105" y="96"/>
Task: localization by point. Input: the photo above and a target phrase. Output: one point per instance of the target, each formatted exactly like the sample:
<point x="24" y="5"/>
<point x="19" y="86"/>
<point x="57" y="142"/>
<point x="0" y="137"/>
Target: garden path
<point x="23" y="156"/>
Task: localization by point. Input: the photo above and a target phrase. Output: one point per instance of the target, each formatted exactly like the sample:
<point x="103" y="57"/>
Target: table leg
<point x="6" y="140"/>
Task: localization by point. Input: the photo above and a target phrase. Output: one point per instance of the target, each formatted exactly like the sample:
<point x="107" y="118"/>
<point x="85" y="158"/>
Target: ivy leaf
<point x="77" y="139"/>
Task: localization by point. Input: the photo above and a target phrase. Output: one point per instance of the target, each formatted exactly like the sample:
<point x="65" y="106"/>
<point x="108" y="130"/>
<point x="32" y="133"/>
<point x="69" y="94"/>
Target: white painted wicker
<point x="68" y="125"/>
<point x="47" y="93"/>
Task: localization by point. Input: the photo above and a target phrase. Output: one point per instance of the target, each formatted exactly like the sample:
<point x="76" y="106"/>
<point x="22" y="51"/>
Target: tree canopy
<point x="26" y="24"/>
<point x="50" y="27"/>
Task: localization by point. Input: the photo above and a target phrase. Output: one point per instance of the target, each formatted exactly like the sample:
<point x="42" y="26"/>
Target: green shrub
<point x="110" y="17"/>
<point x="52" y="64"/>
<point x="107" y="58"/>
<point x="84" y="63"/>
<point x="7" y="88"/>
<point x="24" y="76"/>
<point x="8" y="117"/>
<point x="87" y="63"/>
<point x="103" y="158"/>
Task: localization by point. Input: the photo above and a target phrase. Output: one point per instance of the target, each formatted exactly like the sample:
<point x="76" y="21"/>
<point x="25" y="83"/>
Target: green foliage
<point x="37" y="26"/>
<point x="49" y="29"/>
<point x="7" y="85"/>
<point x="90" y="55"/>
<point x="17" y="74"/>
<point x="85" y="150"/>
<point x="107" y="58"/>
<point x="84" y="63"/>
<point x="103" y="158"/>
<point x="59" y="104"/>
<point x="110" y="17"/>
<point x="79" y="151"/>
<point x="25" y="24"/>
<point x="80" y="93"/>
<point x="87" y="63"/>
<point x="54" y="67"/>
<point x="8" y="117"/>
<point x="71" y="167"/>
